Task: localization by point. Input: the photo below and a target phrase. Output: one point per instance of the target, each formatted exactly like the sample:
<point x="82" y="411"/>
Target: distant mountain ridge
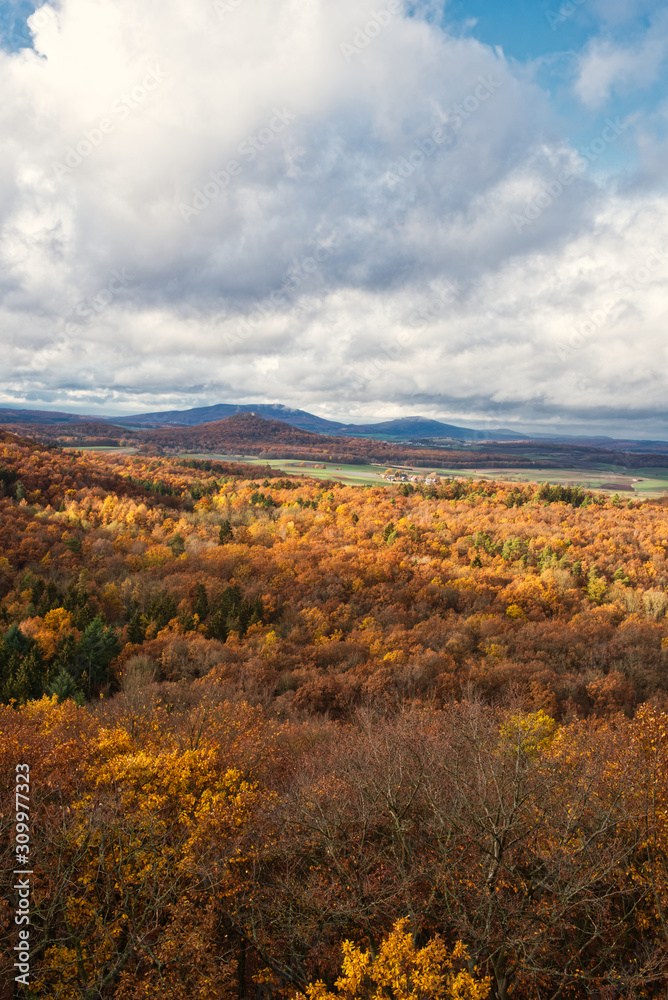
<point x="208" y="414"/>
<point x="401" y="429"/>
<point x="14" y="415"/>
<point x="236" y="432"/>
<point x="415" y="428"/>
<point x="250" y="434"/>
<point x="404" y="429"/>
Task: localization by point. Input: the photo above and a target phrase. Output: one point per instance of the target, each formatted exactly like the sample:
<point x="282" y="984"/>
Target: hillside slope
<point x="209" y="414"/>
<point x="77" y="434"/>
<point x="249" y="434"/>
<point x="406" y="428"/>
<point x="249" y="675"/>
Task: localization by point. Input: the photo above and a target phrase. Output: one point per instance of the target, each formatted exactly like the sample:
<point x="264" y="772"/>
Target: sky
<point x="367" y="211"/>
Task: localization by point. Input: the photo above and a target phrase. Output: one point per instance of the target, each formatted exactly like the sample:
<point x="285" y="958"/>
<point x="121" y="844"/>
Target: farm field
<point x="103" y="448"/>
<point x="358" y="475"/>
<point x="645" y="482"/>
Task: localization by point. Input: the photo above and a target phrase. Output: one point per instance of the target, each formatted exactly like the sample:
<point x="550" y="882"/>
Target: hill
<point x="77" y="434"/>
<point x="209" y="414"/>
<point x="548" y="588"/>
<point x="10" y="415"/>
<point x="411" y="428"/>
<point x="234" y="433"/>
<point x="249" y="434"/>
<point x="402" y="429"/>
<point x="417" y="430"/>
<point x="283" y="712"/>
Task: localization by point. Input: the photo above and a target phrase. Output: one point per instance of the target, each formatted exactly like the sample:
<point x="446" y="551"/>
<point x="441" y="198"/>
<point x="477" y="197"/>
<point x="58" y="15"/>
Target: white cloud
<point x="335" y="216"/>
<point x="608" y="66"/>
<point x="622" y="11"/>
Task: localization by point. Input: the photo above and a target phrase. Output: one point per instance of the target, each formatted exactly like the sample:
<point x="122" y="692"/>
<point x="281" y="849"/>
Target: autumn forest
<point x="296" y="739"/>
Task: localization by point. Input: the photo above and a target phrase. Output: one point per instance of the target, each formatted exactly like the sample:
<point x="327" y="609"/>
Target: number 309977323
<point x="22" y="828"/>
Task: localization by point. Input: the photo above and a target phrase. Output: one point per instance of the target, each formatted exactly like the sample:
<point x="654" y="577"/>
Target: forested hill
<point x="235" y="432"/>
<point x="73" y="434"/>
<point x="250" y="434"/>
<point x="555" y="591"/>
<point x="264" y="716"/>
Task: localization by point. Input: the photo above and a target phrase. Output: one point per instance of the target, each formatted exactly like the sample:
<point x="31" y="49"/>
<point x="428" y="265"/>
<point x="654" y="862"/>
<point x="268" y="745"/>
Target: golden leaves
<point x="530" y="732"/>
<point x="403" y="972"/>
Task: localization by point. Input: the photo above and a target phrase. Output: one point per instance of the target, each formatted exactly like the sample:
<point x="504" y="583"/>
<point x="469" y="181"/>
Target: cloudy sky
<point x="365" y="210"/>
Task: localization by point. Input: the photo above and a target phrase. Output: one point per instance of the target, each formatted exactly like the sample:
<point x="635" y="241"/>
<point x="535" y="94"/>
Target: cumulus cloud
<point x="329" y="205"/>
<point x="609" y="66"/>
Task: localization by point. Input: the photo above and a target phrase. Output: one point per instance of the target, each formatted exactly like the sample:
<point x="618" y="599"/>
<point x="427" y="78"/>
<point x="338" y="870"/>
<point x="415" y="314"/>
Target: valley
<point x="199" y="655"/>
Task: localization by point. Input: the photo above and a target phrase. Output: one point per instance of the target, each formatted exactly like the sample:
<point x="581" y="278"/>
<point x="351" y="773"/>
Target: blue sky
<point x="267" y="201"/>
<point x="523" y="28"/>
<point x="13" y="24"/>
<point x="549" y="38"/>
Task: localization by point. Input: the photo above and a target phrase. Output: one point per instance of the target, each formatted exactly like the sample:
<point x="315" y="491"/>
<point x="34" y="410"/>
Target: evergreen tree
<point x="200" y="602"/>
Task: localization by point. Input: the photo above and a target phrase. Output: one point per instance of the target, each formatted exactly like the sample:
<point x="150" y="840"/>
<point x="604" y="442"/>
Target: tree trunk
<point x="241" y="969"/>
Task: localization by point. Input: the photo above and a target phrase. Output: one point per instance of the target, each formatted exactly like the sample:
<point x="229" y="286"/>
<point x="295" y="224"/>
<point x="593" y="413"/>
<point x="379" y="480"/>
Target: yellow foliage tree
<point x="529" y="732"/>
<point x="129" y="849"/>
<point x="401" y="971"/>
<point x="49" y="630"/>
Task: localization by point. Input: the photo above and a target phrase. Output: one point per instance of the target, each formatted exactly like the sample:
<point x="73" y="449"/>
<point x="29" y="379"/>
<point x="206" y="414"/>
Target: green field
<point x="606" y="479"/>
<point x="129" y="450"/>
<point x="354" y="475"/>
